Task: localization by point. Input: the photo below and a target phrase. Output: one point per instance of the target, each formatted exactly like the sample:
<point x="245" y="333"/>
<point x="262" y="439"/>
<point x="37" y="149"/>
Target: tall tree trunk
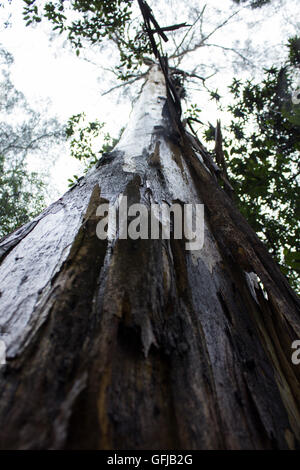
<point x="142" y="344"/>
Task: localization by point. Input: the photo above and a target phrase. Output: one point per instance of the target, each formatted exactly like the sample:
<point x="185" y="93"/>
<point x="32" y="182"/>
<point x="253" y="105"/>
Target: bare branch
<point x="231" y="49"/>
<point x="129" y="82"/>
<point x="191" y="27"/>
<point x="203" y="39"/>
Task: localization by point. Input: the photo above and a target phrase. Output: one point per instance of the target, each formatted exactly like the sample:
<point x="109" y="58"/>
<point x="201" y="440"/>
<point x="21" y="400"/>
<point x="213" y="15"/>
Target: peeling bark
<point x="141" y="344"/>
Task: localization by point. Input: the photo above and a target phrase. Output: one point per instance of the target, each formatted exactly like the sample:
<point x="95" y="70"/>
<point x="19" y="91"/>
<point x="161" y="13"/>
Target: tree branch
<point x="129" y="82"/>
<point x="203" y="39"/>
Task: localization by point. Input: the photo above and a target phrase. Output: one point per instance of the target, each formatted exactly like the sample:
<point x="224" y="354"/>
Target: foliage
<point x="22" y="131"/>
<point x="92" y="21"/>
<point x="262" y="150"/>
<point x="192" y="112"/>
<point x="81" y="144"/>
<point x="82" y="137"/>
<point x="21" y="196"/>
<point x="95" y="19"/>
<point x="294" y="50"/>
<point x="253" y="3"/>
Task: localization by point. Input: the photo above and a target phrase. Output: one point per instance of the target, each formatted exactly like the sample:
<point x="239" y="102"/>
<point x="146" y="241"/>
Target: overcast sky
<point x="45" y="69"/>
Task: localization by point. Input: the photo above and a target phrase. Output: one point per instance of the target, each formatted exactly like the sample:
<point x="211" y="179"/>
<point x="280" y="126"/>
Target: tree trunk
<point x="142" y="344"/>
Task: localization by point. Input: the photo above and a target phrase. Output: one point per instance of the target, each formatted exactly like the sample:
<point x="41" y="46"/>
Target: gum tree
<point x="132" y="344"/>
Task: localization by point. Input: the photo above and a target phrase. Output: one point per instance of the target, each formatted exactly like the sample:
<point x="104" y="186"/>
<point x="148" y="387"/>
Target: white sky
<point x="44" y="69"/>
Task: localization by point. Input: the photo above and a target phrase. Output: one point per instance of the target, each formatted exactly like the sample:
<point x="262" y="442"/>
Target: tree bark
<point x="141" y="344"/>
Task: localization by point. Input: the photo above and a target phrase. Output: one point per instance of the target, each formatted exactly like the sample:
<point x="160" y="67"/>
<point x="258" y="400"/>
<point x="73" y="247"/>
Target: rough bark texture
<point x="141" y="344"/>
